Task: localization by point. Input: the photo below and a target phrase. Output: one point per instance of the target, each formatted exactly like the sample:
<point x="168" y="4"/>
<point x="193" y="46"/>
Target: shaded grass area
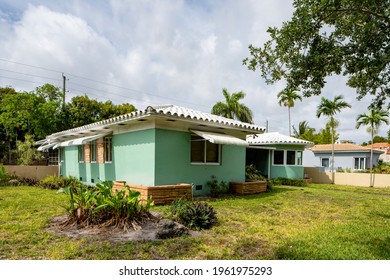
<point x="315" y="222"/>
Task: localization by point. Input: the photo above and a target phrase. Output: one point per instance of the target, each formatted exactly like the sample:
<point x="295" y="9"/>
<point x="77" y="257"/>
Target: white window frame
<point x="81" y="154"/>
<point x="360" y="162"/>
<point x="204" y="162"/>
<point x="285" y="158"/>
<point x="108" y="151"/>
<point x="322" y="158"/>
<point x="93" y="151"/>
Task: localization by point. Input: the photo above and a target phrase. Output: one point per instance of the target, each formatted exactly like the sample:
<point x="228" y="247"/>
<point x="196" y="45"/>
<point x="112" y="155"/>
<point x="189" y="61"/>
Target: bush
<point x="288" y="182"/>
<point x="101" y="205"/>
<point x="3" y="175"/>
<point x="217" y="188"/>
<point x="195" y="215"/>
<point x="56" y="183"/>
<point x="252" y="174"/>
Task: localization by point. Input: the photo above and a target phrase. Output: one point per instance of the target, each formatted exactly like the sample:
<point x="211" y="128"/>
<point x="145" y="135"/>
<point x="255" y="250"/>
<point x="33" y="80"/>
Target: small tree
<point x="329" y="108"/>
<point x="287" y="98"/>
<point x="26" y="151"/>
<point x="373" y="120"/>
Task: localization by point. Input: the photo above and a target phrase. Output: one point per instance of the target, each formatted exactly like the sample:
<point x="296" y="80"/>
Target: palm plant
<point x="373" y="120"/>
<point x="329" y="108"/>
<point x="232" y="108"/>
<point x="287" y="98"/>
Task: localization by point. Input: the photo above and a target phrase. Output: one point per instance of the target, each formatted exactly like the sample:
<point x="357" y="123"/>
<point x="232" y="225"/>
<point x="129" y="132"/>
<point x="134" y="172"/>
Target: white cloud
<point x="181" y="52"/>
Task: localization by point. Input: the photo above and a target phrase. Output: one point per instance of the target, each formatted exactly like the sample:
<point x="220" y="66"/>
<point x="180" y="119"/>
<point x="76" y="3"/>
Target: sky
<point x="152" y="52"/>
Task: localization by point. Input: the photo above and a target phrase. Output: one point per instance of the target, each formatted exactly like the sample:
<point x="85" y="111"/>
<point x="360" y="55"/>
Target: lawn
<point x="316" y="222"/>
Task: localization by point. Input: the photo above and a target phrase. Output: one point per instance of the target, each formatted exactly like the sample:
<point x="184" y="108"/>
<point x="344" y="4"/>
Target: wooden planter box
<point x="160" y="194"/>
<point x="243" y="188"/>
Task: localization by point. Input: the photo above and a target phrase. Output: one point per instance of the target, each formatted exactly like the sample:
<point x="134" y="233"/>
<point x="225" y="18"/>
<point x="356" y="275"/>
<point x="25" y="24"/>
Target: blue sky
<point x="156" y="52"/>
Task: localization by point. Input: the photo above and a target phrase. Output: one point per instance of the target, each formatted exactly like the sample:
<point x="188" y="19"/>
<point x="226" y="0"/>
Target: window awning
<point x="80" y="141"/>
<point x="218" y="138"/>
<point x="46" y="147"/>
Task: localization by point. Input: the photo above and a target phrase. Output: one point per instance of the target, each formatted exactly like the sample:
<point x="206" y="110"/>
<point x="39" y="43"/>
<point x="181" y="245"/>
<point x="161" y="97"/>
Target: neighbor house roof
<point x="272" y="138"/>
<point x="170" y="112"/>
<point x="342" y="148"/>
<point x="384" y="146"/>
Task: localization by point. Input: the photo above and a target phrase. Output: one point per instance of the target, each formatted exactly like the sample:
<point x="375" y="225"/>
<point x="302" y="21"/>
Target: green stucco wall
<point x="157" y="157"/>
<point x="134" y="157"/>
<point x="173" y="163"/>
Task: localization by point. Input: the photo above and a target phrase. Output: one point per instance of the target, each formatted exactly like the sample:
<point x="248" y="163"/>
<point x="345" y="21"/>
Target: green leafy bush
<point x="101" y="205"/>
<point x="55" y="182"/>
<point x="3" y="175"/>
<point x="252" y="174"/>
<point x="217" y="188"/>
<point x="288" y="182"/>
<point x="196" y="215"/>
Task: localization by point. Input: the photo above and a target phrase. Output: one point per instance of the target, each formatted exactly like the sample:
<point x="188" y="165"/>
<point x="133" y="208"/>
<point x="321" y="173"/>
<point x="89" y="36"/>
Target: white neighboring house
<point x="346" y="157"/>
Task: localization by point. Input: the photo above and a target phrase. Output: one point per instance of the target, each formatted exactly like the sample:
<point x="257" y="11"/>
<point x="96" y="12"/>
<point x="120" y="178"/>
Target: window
<point x="81" y="153"/>
<point x="93" y="147"/>
<point x="53" y="157"/>
<point x="325" y="162"/>
<point x="278" y="157"/>
<point x="203" y="151"/>
<point x="108" y="149"/>
<point x="360" y="163"/>
<point x="290" y="157"/>
<point x="299" y="157"/>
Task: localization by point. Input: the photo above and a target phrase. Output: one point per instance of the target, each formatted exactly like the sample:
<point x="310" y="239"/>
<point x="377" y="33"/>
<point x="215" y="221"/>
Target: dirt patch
<point x="148" y="231"/>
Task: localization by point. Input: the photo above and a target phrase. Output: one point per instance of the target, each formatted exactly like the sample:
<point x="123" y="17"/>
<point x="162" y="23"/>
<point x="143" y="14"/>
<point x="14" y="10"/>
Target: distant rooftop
<point x="341" y="148"/>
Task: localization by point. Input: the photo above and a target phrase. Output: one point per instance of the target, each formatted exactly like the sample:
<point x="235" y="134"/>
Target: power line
<point x="100" y="82"/>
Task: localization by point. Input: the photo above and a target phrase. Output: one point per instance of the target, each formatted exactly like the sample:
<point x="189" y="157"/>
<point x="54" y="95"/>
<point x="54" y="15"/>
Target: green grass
<point x="316" y="222"/>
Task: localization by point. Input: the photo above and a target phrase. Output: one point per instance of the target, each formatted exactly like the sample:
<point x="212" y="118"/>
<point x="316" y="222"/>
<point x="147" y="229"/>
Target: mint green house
<point x="276" y="155"/>
<point x="161" y="145"/>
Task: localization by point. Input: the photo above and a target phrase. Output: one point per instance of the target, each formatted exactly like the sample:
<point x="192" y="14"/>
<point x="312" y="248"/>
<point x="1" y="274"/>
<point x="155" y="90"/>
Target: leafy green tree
<point x="328" y="37"/>
<point x="26" y="150"/>
<point x="287" y="98"/>
<point x="373" y="120"/>
<point x="329" y="109"/>
<point x="231" y="108"/>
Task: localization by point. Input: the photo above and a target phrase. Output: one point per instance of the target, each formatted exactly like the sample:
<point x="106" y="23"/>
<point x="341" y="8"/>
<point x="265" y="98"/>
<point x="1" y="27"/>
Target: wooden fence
<point x="349" y="179"/>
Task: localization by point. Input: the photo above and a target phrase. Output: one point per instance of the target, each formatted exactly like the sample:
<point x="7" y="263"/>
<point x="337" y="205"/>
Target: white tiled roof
<point x="168" y="111"/>
<point x="272" y="138"/>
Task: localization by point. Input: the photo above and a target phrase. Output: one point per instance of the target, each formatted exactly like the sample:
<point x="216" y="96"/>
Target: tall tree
<point x="329" y="109"/>
<point x="232" y="108"/>
<point x="373" y="120"/>
<point x="287" y="98"/>
<point x="328" y="37"/>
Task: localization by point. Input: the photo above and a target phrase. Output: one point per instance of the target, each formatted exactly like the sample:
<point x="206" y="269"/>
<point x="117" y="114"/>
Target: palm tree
<point x="329" y="108"/>
<point x="232" y="108"/>
<point x="287" y="98"/>
<point x="373" y="120"/>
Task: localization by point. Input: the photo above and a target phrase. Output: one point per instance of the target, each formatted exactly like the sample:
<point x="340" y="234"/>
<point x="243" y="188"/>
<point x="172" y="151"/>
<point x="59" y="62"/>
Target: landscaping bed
<point x="245" y="188"/>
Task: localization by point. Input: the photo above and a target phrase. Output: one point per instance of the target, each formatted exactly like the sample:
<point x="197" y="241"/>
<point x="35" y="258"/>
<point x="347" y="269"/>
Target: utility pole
<point x="63" y="90"/>
<point x="266" y="126"/>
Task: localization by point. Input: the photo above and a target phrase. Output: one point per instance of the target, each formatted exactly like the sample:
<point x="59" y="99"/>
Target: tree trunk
<point x="332" y="163"/>
<point x="289" y="122"/>
<point x="371" y="161"/>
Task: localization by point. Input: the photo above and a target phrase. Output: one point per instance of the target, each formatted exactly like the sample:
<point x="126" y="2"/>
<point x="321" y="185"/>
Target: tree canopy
<point x="327" y="37"/>
<point x="25" y="116"/>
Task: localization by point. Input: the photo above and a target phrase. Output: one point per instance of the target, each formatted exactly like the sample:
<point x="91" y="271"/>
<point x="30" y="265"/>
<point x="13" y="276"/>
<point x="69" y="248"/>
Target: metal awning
<point x="218" y="138"/>
<point x="46" y="147"/>
<point x="80" y="141"/>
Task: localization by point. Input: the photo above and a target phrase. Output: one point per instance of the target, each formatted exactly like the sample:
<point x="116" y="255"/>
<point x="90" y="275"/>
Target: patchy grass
<point x="315" y="222"/>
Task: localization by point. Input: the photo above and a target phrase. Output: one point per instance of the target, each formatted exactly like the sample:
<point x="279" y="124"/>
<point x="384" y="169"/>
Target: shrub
<point x="55" y="182"/>
<point x="252" y="174"/>
<point x="196" y="215"/>
<point x="101" y="205"/>
<point x="288" y="182"/>
<point x="3" y="175"/>
<point x="217" y="188"/>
